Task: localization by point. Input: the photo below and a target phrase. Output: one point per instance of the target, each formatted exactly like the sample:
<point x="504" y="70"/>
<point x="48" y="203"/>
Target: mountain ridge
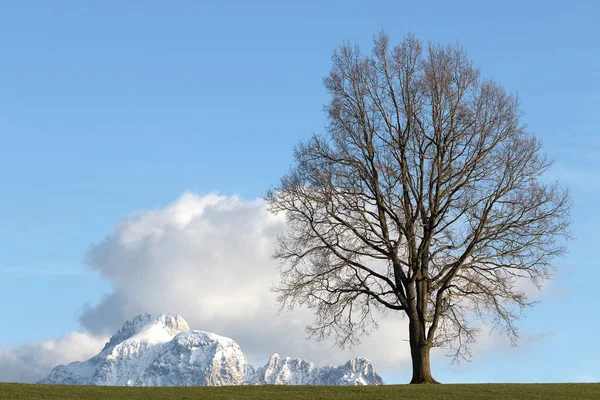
<point x="162" y="350"/>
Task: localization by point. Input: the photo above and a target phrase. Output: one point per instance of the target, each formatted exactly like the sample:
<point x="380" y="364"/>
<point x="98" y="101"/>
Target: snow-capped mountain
<point x="295" y="371"/>
<point x="163" y="351"/>
<point x="159" y="351"/>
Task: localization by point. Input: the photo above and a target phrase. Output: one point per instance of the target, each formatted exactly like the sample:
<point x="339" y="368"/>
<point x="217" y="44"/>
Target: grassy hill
<point x="446" y="392"/>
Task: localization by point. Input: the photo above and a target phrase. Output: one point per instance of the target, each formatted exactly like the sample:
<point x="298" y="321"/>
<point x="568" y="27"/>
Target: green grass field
<point x="482" y="391"/>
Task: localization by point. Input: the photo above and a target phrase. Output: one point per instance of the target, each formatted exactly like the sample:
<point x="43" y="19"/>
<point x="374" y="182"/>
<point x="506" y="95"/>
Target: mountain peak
<point x="170" y="323"/>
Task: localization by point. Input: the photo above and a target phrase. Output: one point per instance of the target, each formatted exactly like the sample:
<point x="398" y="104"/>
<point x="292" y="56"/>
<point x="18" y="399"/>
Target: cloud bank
<point x="208" y="258"/>
<point x="31" y="362"/>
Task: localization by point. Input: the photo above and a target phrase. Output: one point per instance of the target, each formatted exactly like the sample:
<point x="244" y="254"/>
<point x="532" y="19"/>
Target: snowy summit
<point x="163" y="351"/>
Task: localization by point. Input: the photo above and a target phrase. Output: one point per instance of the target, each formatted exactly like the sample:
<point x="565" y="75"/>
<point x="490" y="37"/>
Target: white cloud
<point x="208" y="258"/>
<point x="31" y="362"/>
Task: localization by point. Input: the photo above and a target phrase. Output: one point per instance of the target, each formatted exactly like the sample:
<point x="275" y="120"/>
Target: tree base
<point x="424" y="381"/>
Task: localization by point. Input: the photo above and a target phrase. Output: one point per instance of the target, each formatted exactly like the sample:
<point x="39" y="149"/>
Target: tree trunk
<point x="419" y="351"/>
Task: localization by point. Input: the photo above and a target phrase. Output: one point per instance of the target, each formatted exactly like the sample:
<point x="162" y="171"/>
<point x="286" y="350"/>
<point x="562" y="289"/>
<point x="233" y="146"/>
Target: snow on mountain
<point x="295" y="371"/>
<point x="163" y="351"/>
<point x="158" y="351"/>
<point x="171" y="324"/>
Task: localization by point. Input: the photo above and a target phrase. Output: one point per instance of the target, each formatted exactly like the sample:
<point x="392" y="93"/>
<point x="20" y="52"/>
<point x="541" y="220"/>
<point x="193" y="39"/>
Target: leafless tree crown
<point x="425" y="196"/>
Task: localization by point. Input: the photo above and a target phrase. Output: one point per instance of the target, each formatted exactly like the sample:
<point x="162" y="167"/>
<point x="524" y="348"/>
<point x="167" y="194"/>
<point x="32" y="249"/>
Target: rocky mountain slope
<point x="163" y="351"/>
<point x="295" y="371"/>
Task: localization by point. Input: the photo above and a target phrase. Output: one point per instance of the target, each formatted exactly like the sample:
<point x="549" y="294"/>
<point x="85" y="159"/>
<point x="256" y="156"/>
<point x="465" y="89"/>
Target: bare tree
<point x="425" y="197"/>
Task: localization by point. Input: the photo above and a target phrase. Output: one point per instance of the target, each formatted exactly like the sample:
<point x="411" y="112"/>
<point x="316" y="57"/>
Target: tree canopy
<point x="426" y="196"/>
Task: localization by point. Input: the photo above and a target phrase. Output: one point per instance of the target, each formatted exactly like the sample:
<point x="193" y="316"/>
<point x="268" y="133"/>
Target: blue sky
<point x="111" y="108"/>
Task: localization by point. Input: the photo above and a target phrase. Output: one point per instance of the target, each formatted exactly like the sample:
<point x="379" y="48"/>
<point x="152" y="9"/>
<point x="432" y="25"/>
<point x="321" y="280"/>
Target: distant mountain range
<point x="163" y="351"/>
